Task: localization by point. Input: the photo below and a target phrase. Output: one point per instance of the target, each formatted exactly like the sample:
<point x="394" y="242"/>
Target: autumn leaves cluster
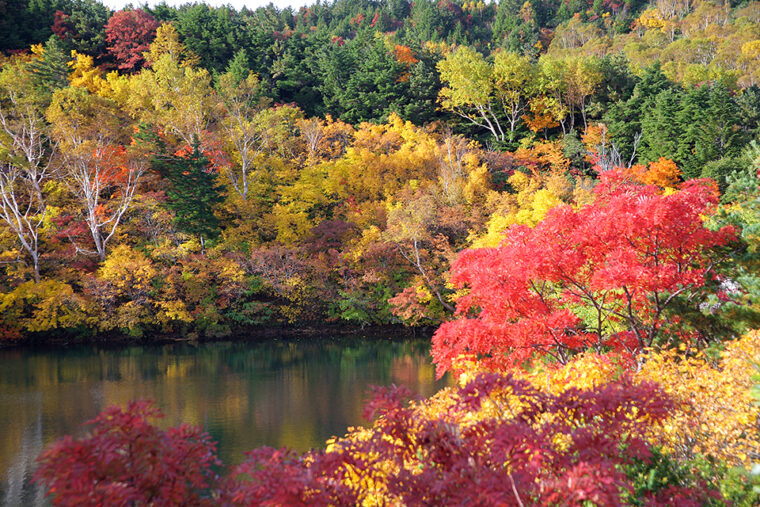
<point x="108" y="210"/>
<point x="234" y="205"/>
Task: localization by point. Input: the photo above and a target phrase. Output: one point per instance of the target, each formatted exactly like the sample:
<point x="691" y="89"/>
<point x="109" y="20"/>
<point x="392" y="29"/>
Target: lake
<point x="286" y="392"/>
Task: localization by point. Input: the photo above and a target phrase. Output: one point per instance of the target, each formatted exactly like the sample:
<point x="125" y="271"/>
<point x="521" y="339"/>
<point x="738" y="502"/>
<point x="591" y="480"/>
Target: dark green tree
<point x="211" y="33"/>
<point x="26" y="22"/>
<point x="51" y="71"/>
<point x="624" y="117"/>
<point x="293" y="72"/>
<point x="510" y="31"/>
<point x="239" y="66"/>
<point x="87" y="19"/>
<point x="709" y="130"/>
<point x="361" y="79"/>
<point x="14" y="24"/>
<point x="422" y="87"/>
<point x="748" y="110"/>
<point x="660" y="129"/>
<point x="617" y="85"/>
<point x="193" y="192"/>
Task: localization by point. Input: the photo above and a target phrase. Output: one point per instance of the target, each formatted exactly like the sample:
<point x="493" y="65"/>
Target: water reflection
<point x="294" y="393"/>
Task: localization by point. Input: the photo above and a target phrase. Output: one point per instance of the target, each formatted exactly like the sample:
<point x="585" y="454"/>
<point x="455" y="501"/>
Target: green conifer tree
<point x="193" y="192"/>
<point x="51" y="71"/>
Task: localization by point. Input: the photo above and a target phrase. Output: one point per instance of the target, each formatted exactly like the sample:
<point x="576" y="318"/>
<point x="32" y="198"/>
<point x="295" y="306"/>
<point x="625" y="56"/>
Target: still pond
<point x="286" y="392"/>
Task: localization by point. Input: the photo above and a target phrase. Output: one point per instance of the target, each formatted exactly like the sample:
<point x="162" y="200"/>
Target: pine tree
<point x="624" y="118"/>
<point x="193" y="192"/>
<point x="239" y="67"/>
<point x="660" y="128"/>
<point x="51" y="71"/>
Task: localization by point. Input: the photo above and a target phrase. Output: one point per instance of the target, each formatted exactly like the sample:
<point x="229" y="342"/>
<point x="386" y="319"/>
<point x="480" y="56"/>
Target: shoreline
<point x="251" y="334"/>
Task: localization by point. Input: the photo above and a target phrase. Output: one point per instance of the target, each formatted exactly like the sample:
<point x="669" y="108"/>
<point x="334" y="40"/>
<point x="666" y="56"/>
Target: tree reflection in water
<point x="294" y="393"/>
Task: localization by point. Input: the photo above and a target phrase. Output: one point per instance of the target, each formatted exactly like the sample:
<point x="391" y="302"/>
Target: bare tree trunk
<point x="28" y="166"/>
<point x="90" y="175"/>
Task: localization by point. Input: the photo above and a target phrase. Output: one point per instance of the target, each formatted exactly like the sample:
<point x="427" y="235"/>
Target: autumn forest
<point x="567" y="191"/>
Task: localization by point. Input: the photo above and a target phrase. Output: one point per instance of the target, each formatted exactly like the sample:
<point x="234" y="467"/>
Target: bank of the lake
<point x="287" y="391"/>
<point x="92" y="337"/>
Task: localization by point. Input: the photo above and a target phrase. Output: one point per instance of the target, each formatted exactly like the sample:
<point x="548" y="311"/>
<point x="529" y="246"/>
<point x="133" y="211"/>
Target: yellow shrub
<point x="44" y="306"/>
<point x="720" y="417"/>
<point x="127" y="270"/>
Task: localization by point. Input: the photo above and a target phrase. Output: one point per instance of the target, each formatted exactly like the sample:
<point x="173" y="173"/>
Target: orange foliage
<point x="324" y="139"/>
<point x="404" y="55"/>
<point x="212" y="149"/>
<point x="543" y="156"/>
<point x="663" y="172"/>
<point x="540" y="117"/>
<point x="593" y="138"/>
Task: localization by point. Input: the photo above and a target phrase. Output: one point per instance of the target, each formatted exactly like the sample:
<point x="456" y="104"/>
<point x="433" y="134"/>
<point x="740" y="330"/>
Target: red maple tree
<point x="128" y="461"/>
<point x="601" y="276"/>
<point x="417" y="458"/>
<point x="129" y="34"/>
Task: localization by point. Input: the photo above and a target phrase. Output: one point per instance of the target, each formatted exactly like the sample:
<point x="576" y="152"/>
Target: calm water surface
<point x="294" y="393"/>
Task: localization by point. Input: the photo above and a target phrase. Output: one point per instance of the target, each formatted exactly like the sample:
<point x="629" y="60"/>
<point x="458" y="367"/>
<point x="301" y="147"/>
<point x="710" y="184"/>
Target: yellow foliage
<point x="377" y="164"/>
<point x="85" y="75"/>
<point x="191" y="245"/>
<point x="171" y="94"/>
<point x="298" y="294"/>
<point x="496" y="226"/>
<point x="290" y="222"/>
<point x="127" y="270"/>
<point x="370" y="236"/>
<point x="44" y="306"/>
<point x="167" y="43"/>
<point x="171" y="311"/>
<point x="651" y="18"/>
<point x="129" y="315"/>
<point x="371" y="480"/>
<point x="717" y="416"/>
<point x="477" y="183"/>
<point x="720" y="416"/>
<point x="119" y="87"/>
<point x="535" y="196"/>
<point x="423" y="294"/>
<point x="10" y="255"/>
<point x="751" y="49"/>
<point x="585" y="371"/>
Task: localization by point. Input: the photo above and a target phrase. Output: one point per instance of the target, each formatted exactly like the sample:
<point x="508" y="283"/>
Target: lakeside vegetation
<point x="197" y="170"/>
<point x="569" y="189"/>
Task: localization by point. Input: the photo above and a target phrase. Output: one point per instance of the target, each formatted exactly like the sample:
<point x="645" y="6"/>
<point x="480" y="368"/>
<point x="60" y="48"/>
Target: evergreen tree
<point x="193" y="192"/>
<point x="624" y="118"/>
<point x="51" y="71"/>
<point x="660" y="129"/>
<point x="423" y="84"/>
<point x="294" y="69"/>
<point x="13" y="24"/>
<point x="239" y="67"/>
<point x="707" y="121"/>
<point x="87" y="19"/>
<point x="361" y="79"/>
<point x="210" y="33"/>
<point x="748" y="111"/>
